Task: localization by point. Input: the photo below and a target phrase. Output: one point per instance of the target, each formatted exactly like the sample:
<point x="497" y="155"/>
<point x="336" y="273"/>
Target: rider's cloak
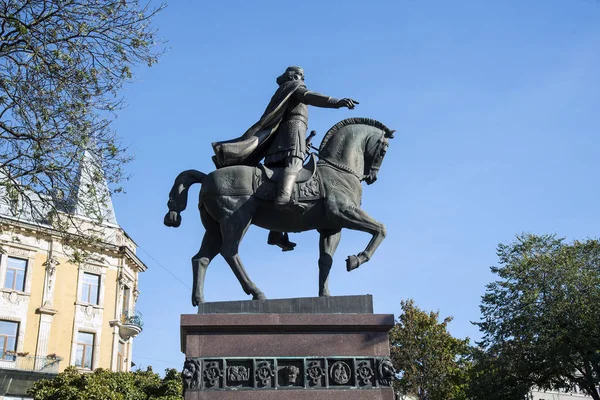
<point x="252" y="146"/>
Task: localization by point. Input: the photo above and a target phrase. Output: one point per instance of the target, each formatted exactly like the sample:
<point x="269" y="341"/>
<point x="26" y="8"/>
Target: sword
<point x="309" y="145"/>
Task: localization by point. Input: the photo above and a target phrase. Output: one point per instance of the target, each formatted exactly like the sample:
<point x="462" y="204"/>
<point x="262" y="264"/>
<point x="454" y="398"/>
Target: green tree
<point x="540" y="320"/>
<point x="107" y="385"/>
<point x="62" y="64"/>
<point x="492" y="380"/>
<point x="430" y="362"/>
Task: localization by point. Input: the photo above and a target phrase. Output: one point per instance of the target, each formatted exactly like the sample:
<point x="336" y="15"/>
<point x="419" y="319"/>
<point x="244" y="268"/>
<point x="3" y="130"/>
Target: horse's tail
<point x="179" y="194"/>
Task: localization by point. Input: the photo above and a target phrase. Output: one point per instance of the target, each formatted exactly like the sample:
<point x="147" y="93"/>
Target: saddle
<point x="308" y="184"/>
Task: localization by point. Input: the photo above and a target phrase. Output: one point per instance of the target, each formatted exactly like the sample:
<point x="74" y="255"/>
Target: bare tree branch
<point x="62" y="65"/>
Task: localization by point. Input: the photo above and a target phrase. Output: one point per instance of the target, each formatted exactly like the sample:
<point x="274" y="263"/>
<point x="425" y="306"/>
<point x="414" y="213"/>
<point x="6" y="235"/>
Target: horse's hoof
<point x="324" y="294"/>
<point x="197" y="301"/>
<point x="352" y="262"/>
<point x="259" y="296"/>
<point x="173" y="219"/>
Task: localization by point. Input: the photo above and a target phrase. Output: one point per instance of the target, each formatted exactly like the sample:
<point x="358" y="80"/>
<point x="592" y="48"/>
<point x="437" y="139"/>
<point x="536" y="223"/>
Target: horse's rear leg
<point x="233" y="229"/>
<point x="211" y="245"/>
<point x="352" y="217"/>
<point x="328" y="243"/>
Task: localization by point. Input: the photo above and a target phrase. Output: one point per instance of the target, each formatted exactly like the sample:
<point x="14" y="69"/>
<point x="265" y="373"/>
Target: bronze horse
<point x="351" y="151"/>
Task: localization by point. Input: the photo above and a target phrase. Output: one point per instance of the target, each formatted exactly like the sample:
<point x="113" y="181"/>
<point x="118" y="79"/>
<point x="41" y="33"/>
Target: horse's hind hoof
<point x="259" y="296"/>
<point x="352" y="262"/>
<point x="197" y="301"/>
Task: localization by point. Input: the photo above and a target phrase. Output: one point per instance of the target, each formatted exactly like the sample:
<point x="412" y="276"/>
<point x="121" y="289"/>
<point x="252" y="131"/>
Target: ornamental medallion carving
<point x="212" y="373"/>
<point x="191" y="374"/>
<point x="386" y="371"/>
<point x="340" y="373"/>
<point x="315" y="372"/>
<point x="364" y="372"/>
<point x="89" y="312"/>
<point x="264" y="373"/>
<point x="238" y="373"/>
<point x="290" y="374"/>
<point x="12" y="297"/>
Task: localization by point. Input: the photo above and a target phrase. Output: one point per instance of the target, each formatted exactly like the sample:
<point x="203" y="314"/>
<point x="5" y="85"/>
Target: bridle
<point x="344" y="168"/>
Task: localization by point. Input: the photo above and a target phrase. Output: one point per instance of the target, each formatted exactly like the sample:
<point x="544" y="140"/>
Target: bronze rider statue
<point x="280" y="138"/>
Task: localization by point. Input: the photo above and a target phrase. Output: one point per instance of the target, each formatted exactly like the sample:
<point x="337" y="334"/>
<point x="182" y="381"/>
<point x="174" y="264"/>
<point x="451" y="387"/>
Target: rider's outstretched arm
<point x="320" y="100"/>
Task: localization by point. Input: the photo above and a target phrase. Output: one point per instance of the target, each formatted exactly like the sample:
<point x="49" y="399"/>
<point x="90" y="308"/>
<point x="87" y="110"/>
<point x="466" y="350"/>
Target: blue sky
<point x="496" y="106"/>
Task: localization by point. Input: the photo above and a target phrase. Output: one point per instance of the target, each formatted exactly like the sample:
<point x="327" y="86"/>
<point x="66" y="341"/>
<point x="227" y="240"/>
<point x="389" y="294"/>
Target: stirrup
<point x="292" y="206"/>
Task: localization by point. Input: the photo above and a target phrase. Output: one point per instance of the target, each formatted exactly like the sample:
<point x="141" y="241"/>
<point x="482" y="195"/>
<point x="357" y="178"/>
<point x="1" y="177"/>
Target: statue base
<point x="309" y="348"/>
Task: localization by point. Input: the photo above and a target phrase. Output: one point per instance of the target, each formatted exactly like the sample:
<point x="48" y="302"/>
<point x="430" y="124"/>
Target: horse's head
<point x="375" y="150"/>
<point x="357" y="146"/>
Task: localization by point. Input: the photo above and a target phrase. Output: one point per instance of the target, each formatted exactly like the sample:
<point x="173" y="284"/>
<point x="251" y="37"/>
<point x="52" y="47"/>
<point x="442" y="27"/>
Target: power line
<point x="165" y="268"/>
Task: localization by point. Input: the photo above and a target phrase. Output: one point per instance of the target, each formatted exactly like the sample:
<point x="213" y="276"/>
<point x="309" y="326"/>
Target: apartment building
<point x="55" y="312"/>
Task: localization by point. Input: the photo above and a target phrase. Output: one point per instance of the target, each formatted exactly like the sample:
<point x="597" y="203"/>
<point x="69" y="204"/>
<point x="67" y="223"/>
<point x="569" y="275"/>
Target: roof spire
<point x="90" y="196"/>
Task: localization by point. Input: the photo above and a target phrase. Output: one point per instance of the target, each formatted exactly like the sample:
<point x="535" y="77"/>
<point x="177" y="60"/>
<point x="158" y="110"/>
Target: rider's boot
<point x="282" y="240"/>
<point x="284" y="195"/>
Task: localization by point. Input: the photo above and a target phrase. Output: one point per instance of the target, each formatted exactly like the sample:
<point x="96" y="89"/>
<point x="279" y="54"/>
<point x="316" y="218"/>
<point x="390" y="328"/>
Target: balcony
<point x="130" y="324"/>
<point x="11" y="360"/>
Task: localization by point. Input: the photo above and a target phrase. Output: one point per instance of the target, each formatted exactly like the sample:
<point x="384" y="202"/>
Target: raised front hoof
<point x="352" y="262"/>
<point x="259" y="296"/>
<point x="172" y="219"/>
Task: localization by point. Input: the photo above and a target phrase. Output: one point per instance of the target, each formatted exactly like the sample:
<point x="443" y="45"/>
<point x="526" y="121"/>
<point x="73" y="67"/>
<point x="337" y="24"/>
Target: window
<point x="15" y="274"/>
<point x="85" y="350"/>
<point x="89" y="288"/>
<point x="126" y="296"/>
<point x="8" y="339"/>
<point x="121" y="357"/>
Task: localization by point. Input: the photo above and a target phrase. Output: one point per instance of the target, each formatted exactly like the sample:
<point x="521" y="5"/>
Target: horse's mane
<point x="351" y="121"/>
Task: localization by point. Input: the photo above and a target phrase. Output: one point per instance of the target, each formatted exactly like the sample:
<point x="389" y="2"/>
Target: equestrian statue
<point x="284" y="194"/>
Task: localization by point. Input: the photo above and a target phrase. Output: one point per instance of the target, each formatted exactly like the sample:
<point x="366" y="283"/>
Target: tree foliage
<point x="492" y="380"/>
<point x="107" y="385"/>
<point x="540" y="319"/>
<point x="430" y="362"/>
<point x="62" y="63"/>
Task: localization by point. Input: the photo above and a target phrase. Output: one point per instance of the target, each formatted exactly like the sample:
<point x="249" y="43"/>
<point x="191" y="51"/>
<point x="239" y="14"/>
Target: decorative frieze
<point x="13" y="304"/>
<point x="17" y="252"/>
<point x="287" y="373"/>
<point x="14" y="298"/>
<point x="94" y="269"/>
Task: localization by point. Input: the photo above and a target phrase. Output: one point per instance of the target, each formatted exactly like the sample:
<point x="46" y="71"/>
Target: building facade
<point x="575" y="394"/>
<point x="55" y="312"/>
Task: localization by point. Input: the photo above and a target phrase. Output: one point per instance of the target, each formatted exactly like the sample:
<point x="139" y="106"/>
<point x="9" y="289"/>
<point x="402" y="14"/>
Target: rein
<point x="340" y="167"/>
<point x="335" y="165"/>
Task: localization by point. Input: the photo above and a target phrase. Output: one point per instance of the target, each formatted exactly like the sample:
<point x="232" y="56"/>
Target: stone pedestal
<point x="302" y="349"/>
